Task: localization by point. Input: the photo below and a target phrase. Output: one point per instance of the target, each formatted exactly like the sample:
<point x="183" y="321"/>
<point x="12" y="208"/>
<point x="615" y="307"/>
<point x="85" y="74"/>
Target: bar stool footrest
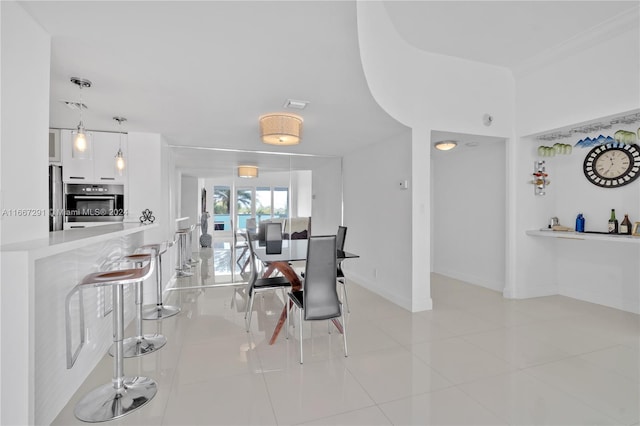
<point x="154" y="312"/>
<point x="134" y="346"/>
<point x="181" y="274"/>
<point x="107" y="403"/>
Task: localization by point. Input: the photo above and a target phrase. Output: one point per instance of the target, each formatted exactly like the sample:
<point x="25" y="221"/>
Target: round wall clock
<point x="612" y="165"/>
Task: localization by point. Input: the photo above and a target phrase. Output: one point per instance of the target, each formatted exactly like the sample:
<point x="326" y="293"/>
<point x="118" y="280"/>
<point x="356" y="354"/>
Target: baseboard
<point x="605" y="300"/>
<point x="472" y="279"/>
<point x="538" y="291"/>
<point x="383" y="291"/>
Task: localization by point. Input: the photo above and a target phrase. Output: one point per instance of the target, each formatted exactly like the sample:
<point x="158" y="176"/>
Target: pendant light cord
<point x="81" y="123"/>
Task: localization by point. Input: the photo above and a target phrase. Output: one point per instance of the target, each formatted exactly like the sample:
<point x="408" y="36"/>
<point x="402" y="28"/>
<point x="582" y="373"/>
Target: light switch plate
<point x="404" y="184"/>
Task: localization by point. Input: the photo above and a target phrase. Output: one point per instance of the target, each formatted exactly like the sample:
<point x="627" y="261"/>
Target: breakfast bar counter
<point x="36" y="277"/>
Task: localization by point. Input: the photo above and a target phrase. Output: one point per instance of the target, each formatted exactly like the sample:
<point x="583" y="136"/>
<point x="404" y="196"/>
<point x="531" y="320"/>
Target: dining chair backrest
<point x="273" y="238"/>
<point x="340" y="237"/>
<point x="262" y="231"/>
<point x="319" y="287"/>
<point x="253" y="273"/>
<point x="251" y="224"/>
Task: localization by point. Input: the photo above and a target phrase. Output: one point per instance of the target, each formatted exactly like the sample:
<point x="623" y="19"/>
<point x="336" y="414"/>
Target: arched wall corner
<point x="426" y="92"/>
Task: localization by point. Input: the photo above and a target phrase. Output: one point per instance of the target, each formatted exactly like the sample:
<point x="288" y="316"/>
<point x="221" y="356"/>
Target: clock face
<point x="612" y="165"/>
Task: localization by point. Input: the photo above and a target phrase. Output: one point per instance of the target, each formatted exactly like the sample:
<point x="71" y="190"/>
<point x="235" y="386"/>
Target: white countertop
<point x="571" y="235"/>
<point x="61" y="241"/>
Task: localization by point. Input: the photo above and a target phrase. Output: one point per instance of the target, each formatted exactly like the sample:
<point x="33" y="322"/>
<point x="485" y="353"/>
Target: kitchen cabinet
<point x="100" y="168"/>
<point x="54" y="147"/>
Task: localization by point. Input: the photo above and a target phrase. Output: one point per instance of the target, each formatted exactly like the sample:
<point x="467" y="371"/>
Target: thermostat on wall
<point x="404" y="184"/>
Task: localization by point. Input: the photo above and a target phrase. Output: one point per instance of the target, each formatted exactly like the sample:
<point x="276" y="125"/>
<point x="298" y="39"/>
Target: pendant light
<point x="120" y="164"/>
<point x="81" y="143"/>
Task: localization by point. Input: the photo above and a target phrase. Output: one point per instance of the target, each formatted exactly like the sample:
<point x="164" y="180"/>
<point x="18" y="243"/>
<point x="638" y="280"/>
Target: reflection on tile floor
<point x="475" y="359"/>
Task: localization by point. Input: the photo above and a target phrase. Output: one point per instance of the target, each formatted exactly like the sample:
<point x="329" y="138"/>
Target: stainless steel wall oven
<point x="94" y="203"/>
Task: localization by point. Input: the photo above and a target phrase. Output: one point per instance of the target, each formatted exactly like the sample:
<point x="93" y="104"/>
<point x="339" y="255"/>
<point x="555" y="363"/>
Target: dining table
<point x="292" y="251"/>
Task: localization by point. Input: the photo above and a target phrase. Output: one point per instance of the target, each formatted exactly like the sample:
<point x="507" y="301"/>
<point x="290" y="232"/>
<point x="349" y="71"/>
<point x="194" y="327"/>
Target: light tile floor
<point x="475" y="359"/>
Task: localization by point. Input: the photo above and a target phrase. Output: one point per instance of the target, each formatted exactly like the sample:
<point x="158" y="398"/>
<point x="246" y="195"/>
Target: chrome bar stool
<point x="140" y="344"/>
<point x="181" y="236"/>
<point x="159" y="311"/>
<point x="124" y="394"/>
<point x="190" y="260"/>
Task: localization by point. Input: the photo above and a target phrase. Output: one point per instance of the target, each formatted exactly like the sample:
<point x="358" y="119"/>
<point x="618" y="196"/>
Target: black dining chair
<point x="318" y="299"/>
<point x="262" y="231"/>
<point x="340" y="237"/>
<point x="257" y="285"/>
<point x="273" y="238"/>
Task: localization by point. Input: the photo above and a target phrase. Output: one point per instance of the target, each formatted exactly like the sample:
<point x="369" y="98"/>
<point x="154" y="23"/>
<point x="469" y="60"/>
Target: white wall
<point x="148" y="188"/>
<point x="327" y="198"/>
<point x="24" y="123"/>
<point x="145" y="181"/>
<point x="428" y="92"/>
<point x="170" y="181"/>
<point x="469" y="214"/>
<point x="26" y="50"/>
<point x="377" y="217"/>
<point x="301" y="181"/>
<point x="189" y="201"/>
<point x="567" y="89"/>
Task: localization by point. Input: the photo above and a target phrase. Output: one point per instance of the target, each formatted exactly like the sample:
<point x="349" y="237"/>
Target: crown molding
<point x="600" y="33"/>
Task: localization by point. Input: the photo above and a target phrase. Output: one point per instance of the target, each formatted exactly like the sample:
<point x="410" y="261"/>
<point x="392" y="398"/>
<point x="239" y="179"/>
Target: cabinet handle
<point x="104" y="178"/>
<point x="76" y="177"/>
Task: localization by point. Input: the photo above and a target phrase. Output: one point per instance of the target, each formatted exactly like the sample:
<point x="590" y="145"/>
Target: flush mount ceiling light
<point x="281" y="128"/>
<point x="247" y="171"/>
<point x="446" y="145"/>
<point x="120" y="164"/>
<point x="81" y="145"/>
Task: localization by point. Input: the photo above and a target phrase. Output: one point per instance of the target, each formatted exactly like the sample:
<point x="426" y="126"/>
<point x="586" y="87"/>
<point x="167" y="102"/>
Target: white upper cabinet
<point x="101" y="167"/>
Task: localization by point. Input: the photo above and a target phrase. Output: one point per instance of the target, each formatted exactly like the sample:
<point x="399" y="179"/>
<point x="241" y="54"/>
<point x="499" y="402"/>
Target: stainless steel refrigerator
<point x="56" y="199"/>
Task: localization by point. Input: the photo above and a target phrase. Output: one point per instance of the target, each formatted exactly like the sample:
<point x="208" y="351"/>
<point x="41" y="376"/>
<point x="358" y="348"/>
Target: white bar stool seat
<point x="124" y="394"/>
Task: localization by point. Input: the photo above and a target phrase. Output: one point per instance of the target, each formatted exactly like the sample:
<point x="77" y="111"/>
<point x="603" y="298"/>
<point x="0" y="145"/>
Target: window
<point x="263" y="203"/>
<point x="221" y="208"/>
<point x="280" y="202"/>
<point x="244" y="206"/>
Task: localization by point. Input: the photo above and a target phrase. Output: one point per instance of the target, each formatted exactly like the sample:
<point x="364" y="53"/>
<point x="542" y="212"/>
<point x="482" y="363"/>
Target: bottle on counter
<point x="625" y="225"/>
<point x="580" y="223"/>
<point x="613" y="222"/>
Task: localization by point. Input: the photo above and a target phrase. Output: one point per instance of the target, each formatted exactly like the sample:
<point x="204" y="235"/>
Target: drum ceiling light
<point x="446" y="145"/>
<point x="281" y="129"/>
<point x="247" y="171"/>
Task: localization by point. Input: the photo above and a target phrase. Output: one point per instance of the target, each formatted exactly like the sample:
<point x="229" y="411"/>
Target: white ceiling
<point x="503" y="33"/>
<point x="201" y="73"/>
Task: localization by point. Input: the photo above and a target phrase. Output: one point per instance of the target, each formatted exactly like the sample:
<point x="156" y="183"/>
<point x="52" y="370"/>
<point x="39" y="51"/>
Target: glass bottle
<point x="625" y="225"/>
<point x="580" y="223"/>
<point x="613" y="222"/>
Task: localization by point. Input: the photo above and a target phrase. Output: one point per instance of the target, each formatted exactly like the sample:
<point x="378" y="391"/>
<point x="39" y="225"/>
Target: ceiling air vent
<point x="74" y="105"/>
<point x="295" y="104"/>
